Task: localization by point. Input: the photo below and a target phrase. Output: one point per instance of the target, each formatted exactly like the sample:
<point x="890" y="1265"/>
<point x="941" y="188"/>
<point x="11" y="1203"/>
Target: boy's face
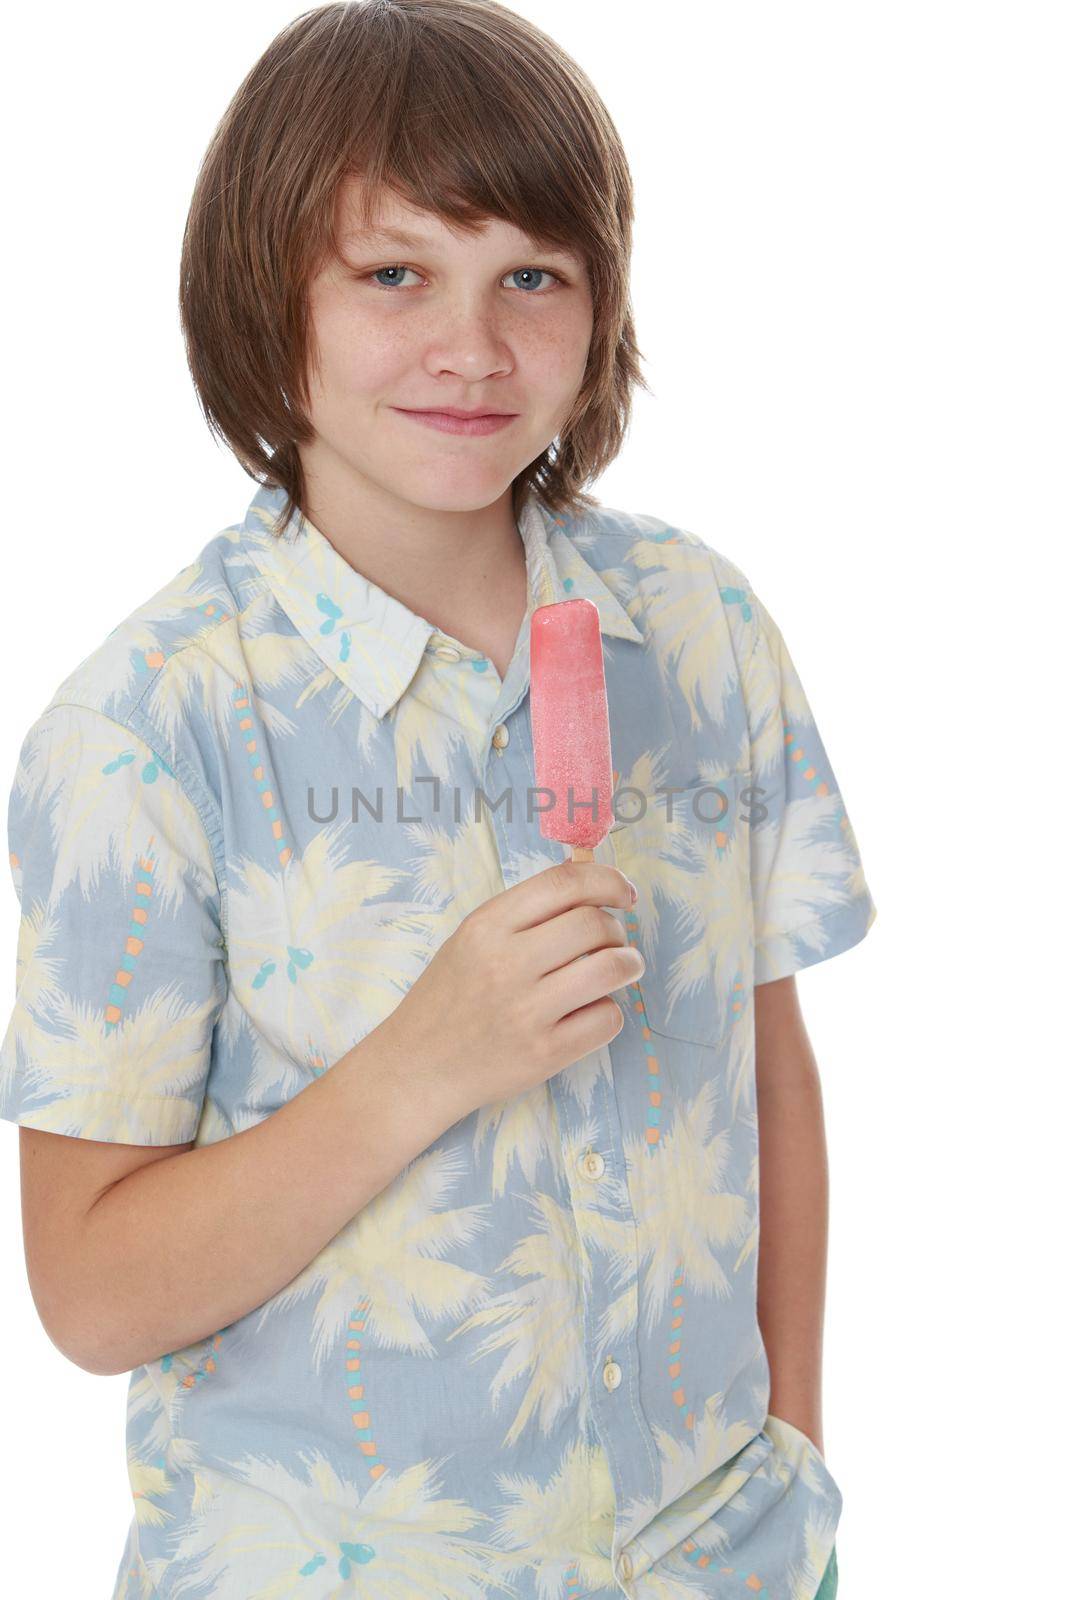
<point x="470" y="321"/>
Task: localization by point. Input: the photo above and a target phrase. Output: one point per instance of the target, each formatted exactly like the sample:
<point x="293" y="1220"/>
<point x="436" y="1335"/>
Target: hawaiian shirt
<point x="531" y="1366"/>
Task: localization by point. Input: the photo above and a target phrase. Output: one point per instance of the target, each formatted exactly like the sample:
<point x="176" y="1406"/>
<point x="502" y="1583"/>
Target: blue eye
<point x="535" y="272"/>
<point x="397" y="269"/>
<point x="389" y="269"/>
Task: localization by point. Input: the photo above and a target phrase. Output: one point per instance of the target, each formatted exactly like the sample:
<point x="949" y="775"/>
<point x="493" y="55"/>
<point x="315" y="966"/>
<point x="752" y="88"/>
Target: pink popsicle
<point x="569" y="718"/>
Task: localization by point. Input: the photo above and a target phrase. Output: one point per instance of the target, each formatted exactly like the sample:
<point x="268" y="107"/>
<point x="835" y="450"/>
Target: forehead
<point x="390" y="220"/>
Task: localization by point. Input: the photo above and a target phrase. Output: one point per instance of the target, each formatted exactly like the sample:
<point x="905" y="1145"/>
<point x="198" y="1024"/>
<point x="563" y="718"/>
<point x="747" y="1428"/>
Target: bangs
<point x="463" y="136"/>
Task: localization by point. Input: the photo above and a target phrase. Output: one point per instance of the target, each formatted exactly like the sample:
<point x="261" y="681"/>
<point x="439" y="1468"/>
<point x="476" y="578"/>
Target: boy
<point x="413" y="1169"/>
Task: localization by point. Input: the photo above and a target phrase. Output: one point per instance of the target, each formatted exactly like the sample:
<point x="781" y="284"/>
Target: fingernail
<point x="633" y="889"/>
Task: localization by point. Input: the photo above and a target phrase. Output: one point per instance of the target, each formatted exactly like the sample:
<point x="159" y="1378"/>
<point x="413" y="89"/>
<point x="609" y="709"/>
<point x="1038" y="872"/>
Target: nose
<point x="468" y="341"/>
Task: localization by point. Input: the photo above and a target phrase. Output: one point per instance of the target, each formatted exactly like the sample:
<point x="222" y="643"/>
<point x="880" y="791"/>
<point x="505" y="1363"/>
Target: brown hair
<point x="461" y="108"/>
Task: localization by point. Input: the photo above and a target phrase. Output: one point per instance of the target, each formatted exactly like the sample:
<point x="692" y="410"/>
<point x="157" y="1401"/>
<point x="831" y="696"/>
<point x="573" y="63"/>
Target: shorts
<point x="828" y="1586"/>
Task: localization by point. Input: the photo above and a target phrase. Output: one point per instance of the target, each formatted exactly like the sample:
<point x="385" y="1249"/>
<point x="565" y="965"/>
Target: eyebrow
<point x="413" y="241"/>
<point x="416" y="241"/>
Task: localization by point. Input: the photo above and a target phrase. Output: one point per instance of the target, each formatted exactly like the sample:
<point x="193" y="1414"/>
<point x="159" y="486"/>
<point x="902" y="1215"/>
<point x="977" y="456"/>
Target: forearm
<point x="794" y="1214"/>
<point x="186" y="1245"/>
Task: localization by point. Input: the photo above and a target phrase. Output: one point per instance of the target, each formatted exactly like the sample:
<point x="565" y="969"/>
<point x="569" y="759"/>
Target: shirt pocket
<point x="693" y="920"/>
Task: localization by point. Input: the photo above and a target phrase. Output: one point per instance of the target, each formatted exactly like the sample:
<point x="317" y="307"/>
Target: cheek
<point x="553" y="359"/>
<point x="357" y="356"/>
<point x="370" y="358"/>
<point x="560" y="344"/>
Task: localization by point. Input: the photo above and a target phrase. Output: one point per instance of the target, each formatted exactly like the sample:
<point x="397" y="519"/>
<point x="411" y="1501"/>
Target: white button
<point x="592" y="1164"/>
<point x="447" y="652"/>
<point x="500" y="735"/>
<point x="612" y="1374"/>
<point x="626" y="1566"/>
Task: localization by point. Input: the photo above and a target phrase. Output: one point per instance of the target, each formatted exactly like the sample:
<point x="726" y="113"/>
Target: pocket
<point x="794" y="1446"/>
<point x="698" y="1507"/>
<point x="688" y="854"/>
<point x="798" y="1434"/>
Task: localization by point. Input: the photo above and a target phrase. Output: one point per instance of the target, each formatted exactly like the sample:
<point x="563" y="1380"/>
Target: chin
<point x="459" y="491"/>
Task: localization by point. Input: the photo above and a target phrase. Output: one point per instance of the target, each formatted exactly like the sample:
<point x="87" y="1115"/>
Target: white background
<point x="849" y="280"/>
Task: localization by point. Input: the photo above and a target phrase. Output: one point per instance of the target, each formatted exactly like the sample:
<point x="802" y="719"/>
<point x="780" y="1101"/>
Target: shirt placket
<point x="596" y="1172"/>
<point x="596" y="1176"/>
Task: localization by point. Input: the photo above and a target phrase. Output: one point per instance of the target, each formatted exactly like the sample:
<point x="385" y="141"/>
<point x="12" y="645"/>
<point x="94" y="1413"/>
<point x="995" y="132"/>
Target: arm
<point x="185" y="1245"/>
<point x="794" y="1207"/>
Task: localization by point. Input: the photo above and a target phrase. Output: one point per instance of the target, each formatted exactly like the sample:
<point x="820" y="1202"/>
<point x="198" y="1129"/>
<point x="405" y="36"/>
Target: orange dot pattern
<point x="360" y="1413"/>
<point x="114" y="1010"/>
<point x="242" y="704"/>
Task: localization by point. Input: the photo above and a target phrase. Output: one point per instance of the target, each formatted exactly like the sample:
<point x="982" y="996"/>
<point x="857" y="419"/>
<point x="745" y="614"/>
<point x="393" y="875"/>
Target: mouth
<point x="460" y="423"/>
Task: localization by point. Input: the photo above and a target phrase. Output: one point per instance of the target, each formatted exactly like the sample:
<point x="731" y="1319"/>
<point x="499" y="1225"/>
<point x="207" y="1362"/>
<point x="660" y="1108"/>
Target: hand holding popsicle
<point x="522" y="988"/>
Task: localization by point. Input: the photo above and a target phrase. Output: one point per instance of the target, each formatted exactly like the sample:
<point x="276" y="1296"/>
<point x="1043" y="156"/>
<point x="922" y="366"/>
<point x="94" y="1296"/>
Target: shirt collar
<point x="371" y="640"/>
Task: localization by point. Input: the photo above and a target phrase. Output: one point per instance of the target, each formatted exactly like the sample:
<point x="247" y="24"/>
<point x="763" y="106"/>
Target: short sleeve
<point x="810" y="896"/>
<point x="120" y="970"/>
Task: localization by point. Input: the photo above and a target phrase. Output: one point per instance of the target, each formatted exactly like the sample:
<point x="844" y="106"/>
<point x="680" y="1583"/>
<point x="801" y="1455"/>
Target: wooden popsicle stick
<point x="581" y="853"/>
